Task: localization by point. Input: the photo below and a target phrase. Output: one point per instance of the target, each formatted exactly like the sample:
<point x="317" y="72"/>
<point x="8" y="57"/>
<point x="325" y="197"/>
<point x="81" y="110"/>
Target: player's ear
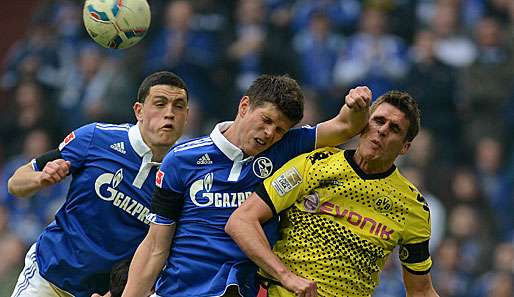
<point x="405" y="148"/>
<point x="138" y="110"/>
<point x="244" y="106"/>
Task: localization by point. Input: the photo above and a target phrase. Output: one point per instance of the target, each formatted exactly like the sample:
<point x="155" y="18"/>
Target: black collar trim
<point x="348" y="154"/>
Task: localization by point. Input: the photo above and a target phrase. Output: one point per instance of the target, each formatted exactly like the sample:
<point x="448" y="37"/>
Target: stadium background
<point x="454" y="56"/>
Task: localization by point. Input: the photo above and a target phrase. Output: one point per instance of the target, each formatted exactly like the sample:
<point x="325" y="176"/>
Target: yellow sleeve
<point x="288" y="183"/>
<point x="414" y="253"/>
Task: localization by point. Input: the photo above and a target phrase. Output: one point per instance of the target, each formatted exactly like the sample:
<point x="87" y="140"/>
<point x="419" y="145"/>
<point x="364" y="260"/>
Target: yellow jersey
<point x="339" y="224"/>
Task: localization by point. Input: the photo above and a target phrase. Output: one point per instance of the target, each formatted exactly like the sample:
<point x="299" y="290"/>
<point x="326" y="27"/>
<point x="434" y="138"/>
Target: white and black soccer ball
<point x="116" y="23"/>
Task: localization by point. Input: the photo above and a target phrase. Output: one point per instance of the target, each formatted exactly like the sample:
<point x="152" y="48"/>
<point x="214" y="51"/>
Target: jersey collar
<point x="348" y="154"/>
<point x="136" y="140"/>
<point x="226" y="147"/>
<point x="144" y="151"/>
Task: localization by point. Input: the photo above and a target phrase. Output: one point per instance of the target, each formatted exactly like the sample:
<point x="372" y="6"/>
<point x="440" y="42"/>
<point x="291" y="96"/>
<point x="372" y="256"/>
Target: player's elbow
<point x="13" y="189"/>
<point x="231" y="225"/>
<point x="10" y="187"/>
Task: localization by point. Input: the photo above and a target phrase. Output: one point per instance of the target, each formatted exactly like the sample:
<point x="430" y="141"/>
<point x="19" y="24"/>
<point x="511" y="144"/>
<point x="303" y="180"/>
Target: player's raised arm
<point x="244" y="226"/>
<point x="350" y="120"/>
<point x="149" y="260"/>
<point x="418" y="285"/>
<point x="26" y="181"/>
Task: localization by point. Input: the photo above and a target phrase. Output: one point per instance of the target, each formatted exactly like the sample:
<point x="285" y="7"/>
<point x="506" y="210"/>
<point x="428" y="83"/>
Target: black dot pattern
<point x="330" y="254"/>
<point x="337" y="176"/>
<point x="344" y="260"/>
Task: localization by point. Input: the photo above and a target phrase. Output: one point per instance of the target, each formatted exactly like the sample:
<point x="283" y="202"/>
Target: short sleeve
<point x="414" y="253"/>
<point x="168" y="196"/>
<point x="297" y="141"/>
<point x="288" y="183"/>
<point x="75" y="146"/>
<point x="168" y="177"/>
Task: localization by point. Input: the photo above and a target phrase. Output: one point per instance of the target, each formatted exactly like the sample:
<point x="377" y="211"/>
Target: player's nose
<point x="170" y="112"/>
<point x="383" y="130"/>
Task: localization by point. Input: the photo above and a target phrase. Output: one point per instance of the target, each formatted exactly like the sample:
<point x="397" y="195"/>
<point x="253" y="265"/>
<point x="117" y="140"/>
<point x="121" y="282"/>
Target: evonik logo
<point x="106" y="188"/>
<point x="356" y="219"/>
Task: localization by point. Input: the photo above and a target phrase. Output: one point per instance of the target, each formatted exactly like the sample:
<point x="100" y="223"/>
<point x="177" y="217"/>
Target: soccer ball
<point x="116" y="23"/>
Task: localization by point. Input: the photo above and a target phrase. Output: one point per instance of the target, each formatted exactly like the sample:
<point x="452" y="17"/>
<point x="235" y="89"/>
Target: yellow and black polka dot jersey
<point x="339" y="224"/>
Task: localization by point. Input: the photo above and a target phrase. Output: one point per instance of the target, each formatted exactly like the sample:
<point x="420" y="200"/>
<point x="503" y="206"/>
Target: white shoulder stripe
<point x="179" y="149"/>
<point x="194" y="142"/>
<point x="112" y="128"/>
<point x="116" y="125"/>
<point x="104" y="125"/>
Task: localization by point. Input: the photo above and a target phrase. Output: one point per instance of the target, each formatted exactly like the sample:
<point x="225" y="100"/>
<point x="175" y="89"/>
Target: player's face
<point x="261" y="127"/>
<point x="162" y="116"/>
<point x="384" y="137"/>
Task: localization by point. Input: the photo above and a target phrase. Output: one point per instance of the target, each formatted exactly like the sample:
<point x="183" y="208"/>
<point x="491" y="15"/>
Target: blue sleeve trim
<point x="159" y="220"/>
<point x="33" y="162"/>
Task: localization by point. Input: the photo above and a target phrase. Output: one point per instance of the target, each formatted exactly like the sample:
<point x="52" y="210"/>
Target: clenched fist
<point x="302" y="287"/>
<point x="54" y="172"/>
<point x="359" y="98"/>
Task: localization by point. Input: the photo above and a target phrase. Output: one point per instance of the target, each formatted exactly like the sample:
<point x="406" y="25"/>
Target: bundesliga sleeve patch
<point x="158" y="178"/>
<point x="287" y="181"/>
<point x="67" y="140"/>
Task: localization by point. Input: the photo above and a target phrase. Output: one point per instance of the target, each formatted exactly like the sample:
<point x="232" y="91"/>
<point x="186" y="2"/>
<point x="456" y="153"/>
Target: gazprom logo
<point x="201" y="195"/>
<point x="106" y="187"/>
<point x="113" y="180"/>
<point x="207" y="181"/>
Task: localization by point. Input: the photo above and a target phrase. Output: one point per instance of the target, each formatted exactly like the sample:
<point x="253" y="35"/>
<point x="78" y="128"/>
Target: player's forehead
<point x="166" y="92"/>
<point x="391" y="113"/>
<point x="271" y="111"/>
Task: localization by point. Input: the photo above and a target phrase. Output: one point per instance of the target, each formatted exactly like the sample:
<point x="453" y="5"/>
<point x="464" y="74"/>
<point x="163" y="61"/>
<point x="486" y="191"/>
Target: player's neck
<point x="370" y="166"/>
<point x="231" y="134"/>
<point x="159" y="152"/>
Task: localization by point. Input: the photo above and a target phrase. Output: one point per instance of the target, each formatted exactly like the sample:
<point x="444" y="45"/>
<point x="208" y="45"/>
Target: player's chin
<point x="168" y="139"/>
<point x="255" y="150"/>
<point x="371" y="153"/>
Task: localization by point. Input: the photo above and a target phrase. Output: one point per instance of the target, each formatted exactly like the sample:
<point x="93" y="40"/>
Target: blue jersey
<point x="215" y="178"/>
<point x="103" y="219"/>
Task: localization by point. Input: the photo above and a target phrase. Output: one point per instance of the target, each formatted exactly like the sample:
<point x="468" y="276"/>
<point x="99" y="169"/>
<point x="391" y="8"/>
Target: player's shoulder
<point x="419" y="207"/>
<point x="405" y="186"/>
<point x="302" y="132"/>
<point x="103" y="133"/>
<point x="324" y="154"/>
<point x="106" y="128"/>
<point x="191" y="146"/>
<point x="100" y="134"/>
<point x="102" y="128"/>
<point x="189" y="149"/>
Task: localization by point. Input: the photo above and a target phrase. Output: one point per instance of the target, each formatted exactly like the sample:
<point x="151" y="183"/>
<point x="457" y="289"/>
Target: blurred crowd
<point x="456" y="57"/>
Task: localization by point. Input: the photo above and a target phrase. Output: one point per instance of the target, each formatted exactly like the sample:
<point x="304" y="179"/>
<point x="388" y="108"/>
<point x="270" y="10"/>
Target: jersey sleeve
<point x="414" y="253"/>
<point x="75" y="147"/>
<point x="287" y="184"/>
<point x="168" y="197"/>
<point x="168" y="176"/>
<point x="298" y="141"/>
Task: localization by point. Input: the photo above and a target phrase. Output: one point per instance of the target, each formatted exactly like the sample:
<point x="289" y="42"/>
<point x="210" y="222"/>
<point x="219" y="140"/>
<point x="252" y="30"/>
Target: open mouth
<point x="167" y="127"/>
<point x="375" y="143"/>
<point x="260" y="141"/>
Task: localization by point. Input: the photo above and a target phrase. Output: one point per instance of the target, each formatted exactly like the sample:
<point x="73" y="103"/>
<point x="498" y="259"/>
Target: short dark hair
<point x="404" y="102"/>
<point x="118" y="278"/>
<point x="280" y="90"/>
<point x="160" y="78"/>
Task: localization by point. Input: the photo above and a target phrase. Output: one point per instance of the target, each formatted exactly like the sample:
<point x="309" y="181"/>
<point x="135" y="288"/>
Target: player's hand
<point x="358" y="99"/>
<point x="302" y="287"/>
<point x="54" y="172"/>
